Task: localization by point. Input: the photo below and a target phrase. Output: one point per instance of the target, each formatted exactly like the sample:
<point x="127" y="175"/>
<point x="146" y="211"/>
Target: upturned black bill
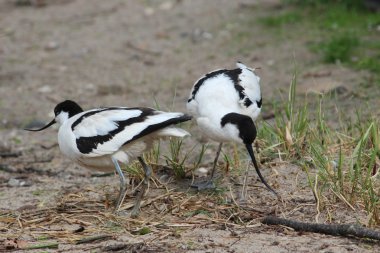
<point x="35" y="130"/>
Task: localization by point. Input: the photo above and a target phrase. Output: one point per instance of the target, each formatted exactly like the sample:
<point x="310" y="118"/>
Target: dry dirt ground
<point x="140" y="53"/>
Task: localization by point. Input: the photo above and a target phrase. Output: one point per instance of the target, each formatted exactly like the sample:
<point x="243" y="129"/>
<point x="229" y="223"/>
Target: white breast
<point x="67" y="141"/>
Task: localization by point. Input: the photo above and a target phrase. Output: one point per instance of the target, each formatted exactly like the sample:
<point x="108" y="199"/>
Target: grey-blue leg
<point x="216" y="160"/>
<point x="209" y="184"/>
<point x="144" y="186"/>
<point x="123" y="186"/>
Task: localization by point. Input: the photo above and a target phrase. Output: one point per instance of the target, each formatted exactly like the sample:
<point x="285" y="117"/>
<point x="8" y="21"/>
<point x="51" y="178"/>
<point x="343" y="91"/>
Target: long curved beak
<point x="252" y="155"/>
<point x="35" y="130"/>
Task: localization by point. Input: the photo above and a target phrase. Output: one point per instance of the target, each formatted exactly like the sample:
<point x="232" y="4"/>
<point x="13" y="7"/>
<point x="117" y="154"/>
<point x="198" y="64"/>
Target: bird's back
<point x="106" y="131"/>
<point x="225" y="91"/>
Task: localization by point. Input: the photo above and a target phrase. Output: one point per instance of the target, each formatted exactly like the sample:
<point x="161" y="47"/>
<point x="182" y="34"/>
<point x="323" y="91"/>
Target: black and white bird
<point x="101" y="138"/>
<point x="225" y="104"/>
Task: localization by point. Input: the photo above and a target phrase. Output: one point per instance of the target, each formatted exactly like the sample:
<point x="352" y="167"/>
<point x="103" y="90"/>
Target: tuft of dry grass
<point x="77" y="218"/>
<point x="341" y="161"/>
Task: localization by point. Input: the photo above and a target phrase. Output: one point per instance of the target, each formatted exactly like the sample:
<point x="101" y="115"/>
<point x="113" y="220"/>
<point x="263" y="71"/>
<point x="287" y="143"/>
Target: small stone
<point x="166" y="5"/>
<point x="62" y="68"/>
<point x="201" y="216"/>
<point x="45" y="89"/>
<point x="14" y="182"/>
<point x="201" y="172"/>
<point x="9" y="31"/>
<point x="149" y="11"/>
<point x="52" y="45"/>
<point x="339" y="90"/>
<point x="164" y="178"/>
<point x="89" y="86"/>
<point x="4" y="147"/>
<point x="199" y="34"/>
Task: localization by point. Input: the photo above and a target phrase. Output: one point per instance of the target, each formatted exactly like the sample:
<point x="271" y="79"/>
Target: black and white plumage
<point x="101" y="138"/>
<point x="225" y="104"/>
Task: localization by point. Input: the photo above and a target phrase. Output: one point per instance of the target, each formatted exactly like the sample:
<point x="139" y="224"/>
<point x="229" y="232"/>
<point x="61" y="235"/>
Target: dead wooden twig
<point x="103" y="174"/>
<point x="50" y="245"/>
<point x="10" y="154"/>
<point x="94" y="238"/>
<point x="49" y="146"/>
<point x="125" y="246"/>
<point x="346" y="230"/>
<point x="142" y="49"/>
<point x="6" y="168"/>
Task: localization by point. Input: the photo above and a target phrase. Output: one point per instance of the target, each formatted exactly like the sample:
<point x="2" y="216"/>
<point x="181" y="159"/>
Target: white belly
<point x="103" y="162"/>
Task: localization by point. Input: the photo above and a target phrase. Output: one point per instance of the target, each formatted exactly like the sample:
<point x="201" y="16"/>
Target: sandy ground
<point x="139" y="53"/>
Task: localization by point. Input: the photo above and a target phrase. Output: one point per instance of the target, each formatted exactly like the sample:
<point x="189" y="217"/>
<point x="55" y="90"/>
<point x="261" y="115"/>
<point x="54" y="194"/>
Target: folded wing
<point x="105" y="131"/>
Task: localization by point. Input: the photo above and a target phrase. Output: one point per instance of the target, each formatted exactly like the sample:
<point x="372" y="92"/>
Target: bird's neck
<point x="62" y="117"/>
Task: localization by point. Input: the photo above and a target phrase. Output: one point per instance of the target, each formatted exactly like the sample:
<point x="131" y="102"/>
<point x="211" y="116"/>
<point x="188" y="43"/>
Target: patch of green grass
<point x="369" y="63"/>
<point x="113" y="226"/>
<point x="47" y="245"/>
<point x="196" y="212"/>
<point x="178" y="157"/>
<point x="341" y="163"/>
<point x="43" y="238"/>
<point x="135" y="170"/>
<point x="144" y="231"/>
<point x="191" y="245"/>
<point x="342" y="31"/>
<point x="39" y="192"/>
<point x="16" y="140"/>
<point x="291" y="126"/>
<point x="281" y="19"/>
<point x="338" y="31"/>
<point x="176" y="160"/>
<point x="199" y="159"/>
<point x="349" y="4"/>
<point x="339" y="48"/>
<point x="154" y="155"/>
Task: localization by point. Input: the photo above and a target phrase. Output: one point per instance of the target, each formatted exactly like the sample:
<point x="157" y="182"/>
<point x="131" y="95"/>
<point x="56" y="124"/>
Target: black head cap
<point x="68" y="106"/>
<point x="245" y="125"/>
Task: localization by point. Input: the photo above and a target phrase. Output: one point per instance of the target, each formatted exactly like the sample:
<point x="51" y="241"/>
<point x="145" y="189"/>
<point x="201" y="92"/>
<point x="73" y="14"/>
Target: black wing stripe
<point x="152" y="128"/>
<point x="198" y="84"/>
<point x="87" y="144"/>
<point x="240" y="91"/>
<point x="233" y="74"/>
<point x="88" y="114"/>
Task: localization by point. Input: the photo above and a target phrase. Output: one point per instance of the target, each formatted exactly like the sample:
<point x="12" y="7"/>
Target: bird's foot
<point x="135" y="212"/>
<point x="242" y="201"/>
<point x="123" y="213"/>
<point x="132" y="214"/>
<point x="204" y="185"/>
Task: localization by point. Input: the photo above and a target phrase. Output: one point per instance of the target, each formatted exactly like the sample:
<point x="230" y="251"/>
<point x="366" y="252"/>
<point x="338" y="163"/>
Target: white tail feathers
<point x="242" y="66"/>
<point x="173" y="131"/>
